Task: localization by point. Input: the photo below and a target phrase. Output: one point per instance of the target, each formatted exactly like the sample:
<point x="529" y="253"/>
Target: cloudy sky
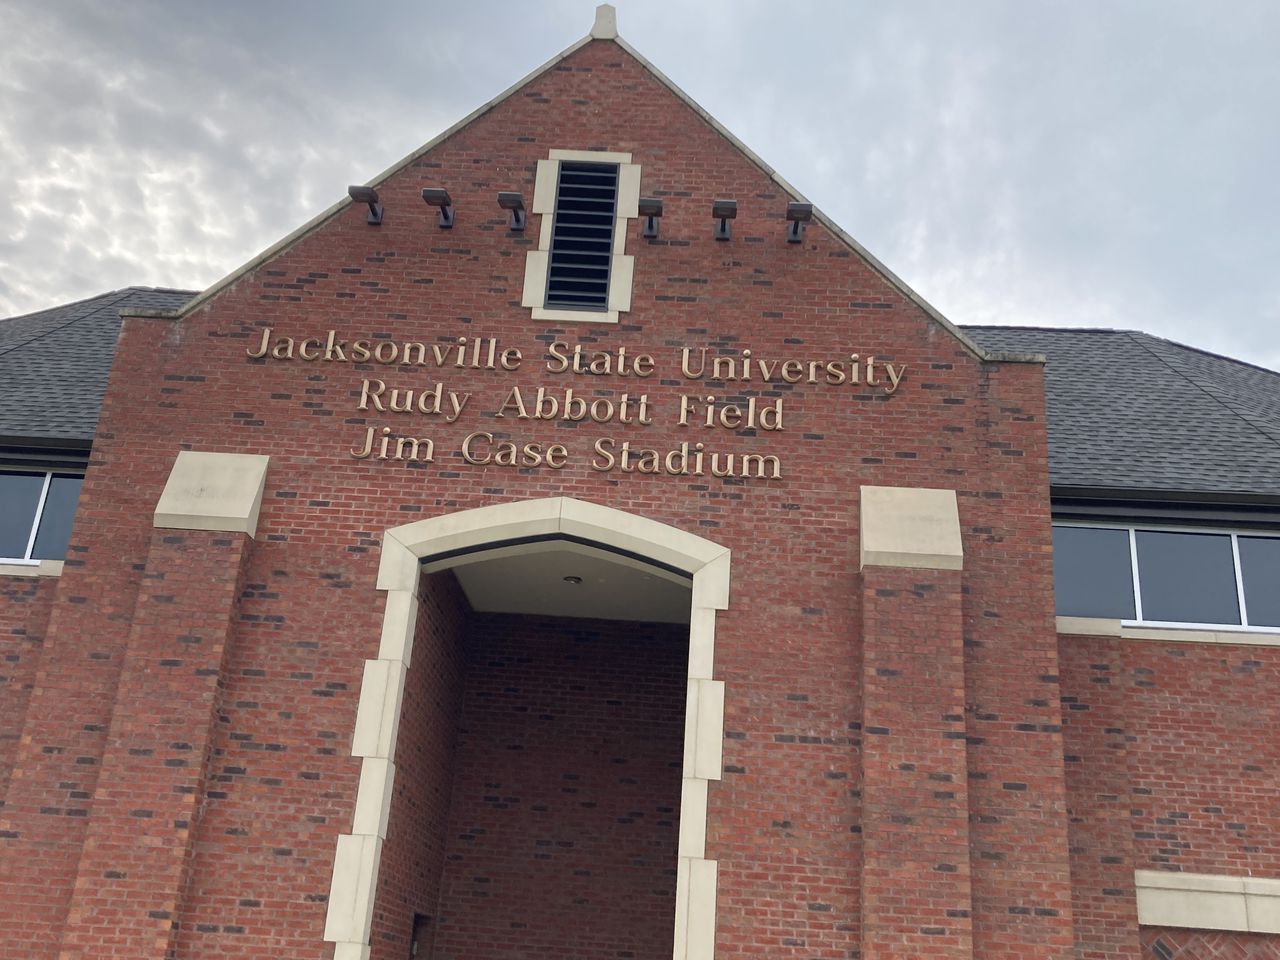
<point x="1095" y="163"/>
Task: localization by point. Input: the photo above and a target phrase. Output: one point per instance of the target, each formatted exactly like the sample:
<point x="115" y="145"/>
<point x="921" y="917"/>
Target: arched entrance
<point x="507" y="531"/>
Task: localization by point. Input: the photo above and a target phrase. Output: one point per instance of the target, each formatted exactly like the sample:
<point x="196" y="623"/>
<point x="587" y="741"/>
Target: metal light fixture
<point x="439" y="197"/>
<point x="510" y="200"/>
<point x="370" y="196"/>
<point x="572" y="580"/>
<point x="723" y="211"/>
<point x="798" y="214"/>
<point x="651" y="209"/>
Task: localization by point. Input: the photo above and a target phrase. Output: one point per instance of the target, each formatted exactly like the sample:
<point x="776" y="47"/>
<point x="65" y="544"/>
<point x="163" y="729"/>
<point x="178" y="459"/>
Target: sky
<point x="1098" y="163"/>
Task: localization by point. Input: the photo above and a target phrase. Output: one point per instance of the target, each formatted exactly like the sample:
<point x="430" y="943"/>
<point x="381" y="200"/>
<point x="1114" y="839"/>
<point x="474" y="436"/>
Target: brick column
<point x="916" y="896"/>
<point x="133" y="869"/>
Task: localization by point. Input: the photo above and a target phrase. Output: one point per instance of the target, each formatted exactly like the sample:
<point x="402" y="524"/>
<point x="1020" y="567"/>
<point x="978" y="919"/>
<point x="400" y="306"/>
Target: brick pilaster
<point x="133" y="869"/>
<point x="915" y="878"/>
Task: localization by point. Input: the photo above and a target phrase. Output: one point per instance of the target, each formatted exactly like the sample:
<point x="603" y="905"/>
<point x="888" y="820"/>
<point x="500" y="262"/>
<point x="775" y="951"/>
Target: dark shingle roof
<point x="54" y="365"/>
<point x="1132" y="412"/>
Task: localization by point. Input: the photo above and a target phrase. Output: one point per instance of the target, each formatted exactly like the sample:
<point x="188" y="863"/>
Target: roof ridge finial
<point x="606" y="25"/>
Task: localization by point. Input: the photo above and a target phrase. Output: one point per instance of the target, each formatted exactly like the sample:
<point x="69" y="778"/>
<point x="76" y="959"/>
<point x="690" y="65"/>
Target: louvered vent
<point x="582" y="236"/>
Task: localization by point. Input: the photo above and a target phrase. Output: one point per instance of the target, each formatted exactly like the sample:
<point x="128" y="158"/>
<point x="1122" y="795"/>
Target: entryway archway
<point x="557" y="527"/>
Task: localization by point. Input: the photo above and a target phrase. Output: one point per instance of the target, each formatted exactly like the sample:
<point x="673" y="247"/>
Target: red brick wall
<point x="784" y="822"/>
<point x="413" y="855"/>
<point x="562" y="832"/>
<point x="283" y="778"/>
<point x="1100" y="799"/>
<point x="1173" y="764"/>
<point x="1166" y="943"/>
<point x="24" y="616"/>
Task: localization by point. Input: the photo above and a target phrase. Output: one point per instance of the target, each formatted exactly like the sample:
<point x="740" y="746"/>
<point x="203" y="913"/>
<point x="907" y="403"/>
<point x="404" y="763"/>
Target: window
<point x="36" y="511"/>
<point x="1167" y="576"/>
<point x="582" y="236"/>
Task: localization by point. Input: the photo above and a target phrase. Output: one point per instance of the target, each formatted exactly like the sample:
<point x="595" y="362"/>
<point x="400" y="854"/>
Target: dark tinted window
<point x="1187" y="577"/>
<point x="19" y="501"/>
<point x="1092" y="573"/>
<point x="1260" y="567"/>
<point x="55" y="522"/>
<point x="582" y="236"/>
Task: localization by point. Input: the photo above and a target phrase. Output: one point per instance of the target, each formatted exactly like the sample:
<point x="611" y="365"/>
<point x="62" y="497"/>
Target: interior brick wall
<point x="417" y="829"/>
<point x="563" y="828"/>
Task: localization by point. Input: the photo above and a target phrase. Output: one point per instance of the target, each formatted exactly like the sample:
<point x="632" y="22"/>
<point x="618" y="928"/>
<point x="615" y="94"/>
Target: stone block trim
<point x="355" y="877"/>
<point x="41" y="568"/>
<point x="213" y="491"/>
<point x="910" y="527"/>
<point x="1208" y="901"/>
<point x="622" y="266"/>
<point x="1102" y="627"/>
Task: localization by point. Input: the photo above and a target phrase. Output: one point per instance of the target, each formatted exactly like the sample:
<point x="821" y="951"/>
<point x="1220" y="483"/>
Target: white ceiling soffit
<point x="531" y="579"/>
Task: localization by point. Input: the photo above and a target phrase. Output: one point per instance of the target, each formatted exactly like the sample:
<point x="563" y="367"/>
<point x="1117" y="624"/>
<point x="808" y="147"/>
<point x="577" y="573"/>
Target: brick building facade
<point x="559" y="578"/>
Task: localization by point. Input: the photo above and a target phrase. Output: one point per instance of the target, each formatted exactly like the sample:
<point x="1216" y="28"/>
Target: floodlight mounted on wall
<point x="509" y="200"/>
<point x="439" y="197"/>
<point x="651" y="209"/>
<point x="798" y="214"/>
<point x="370" y="196"/>
<point x="723" y="211"/>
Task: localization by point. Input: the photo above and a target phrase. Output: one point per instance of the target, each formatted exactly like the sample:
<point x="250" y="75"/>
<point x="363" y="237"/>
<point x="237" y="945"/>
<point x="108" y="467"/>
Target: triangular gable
<point x="605" y="29"/>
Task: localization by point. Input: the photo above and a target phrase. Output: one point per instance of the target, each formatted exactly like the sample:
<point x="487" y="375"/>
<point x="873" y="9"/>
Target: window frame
<point x="556" y="222"/>
<point x="1233" y="532"/>
<point x="621" y="264"/>
<point x="27" y="560"/>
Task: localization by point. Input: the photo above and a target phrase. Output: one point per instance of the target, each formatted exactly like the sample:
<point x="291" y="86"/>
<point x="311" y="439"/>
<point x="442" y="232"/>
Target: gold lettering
<point x="262" y="347"/>
<point x="468" y="453"/>
<point x="756" y="461"/>
<point x="368" y="395"/>
<point x="556" y="352"/>
<point x="604" y="458"/>
<point x="368" y="445"/>
<point x="333" y="347"/>
<point x="686" y="368"/>
<point x="516" y="403"/>
<point x="412" y="444"/>
<point x="895" y="376"/>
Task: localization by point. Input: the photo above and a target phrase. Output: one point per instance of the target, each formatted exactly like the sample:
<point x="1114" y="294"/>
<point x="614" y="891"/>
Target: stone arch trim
<point x="355" y="872"/>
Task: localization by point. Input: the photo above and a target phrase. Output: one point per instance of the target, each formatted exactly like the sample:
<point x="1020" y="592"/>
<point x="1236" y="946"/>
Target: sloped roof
<point x="1132" y="412"/>
<point x="54" y="365"/>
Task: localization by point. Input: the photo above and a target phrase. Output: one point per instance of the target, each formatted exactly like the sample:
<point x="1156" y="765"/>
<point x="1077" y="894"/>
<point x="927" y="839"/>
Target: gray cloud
<point x="1083" y="164"/>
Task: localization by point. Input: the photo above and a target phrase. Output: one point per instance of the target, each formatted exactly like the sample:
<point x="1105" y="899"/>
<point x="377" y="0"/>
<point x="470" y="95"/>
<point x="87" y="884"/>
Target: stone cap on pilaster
<point x="213" y="491"/>
<point x="910" y="527"/>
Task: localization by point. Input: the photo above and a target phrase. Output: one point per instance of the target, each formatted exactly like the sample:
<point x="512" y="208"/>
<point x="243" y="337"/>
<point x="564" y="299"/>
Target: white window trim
<point x="621" y="267"/>
<point x="1169" y="625"/>
<point x="27" y="565"/>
